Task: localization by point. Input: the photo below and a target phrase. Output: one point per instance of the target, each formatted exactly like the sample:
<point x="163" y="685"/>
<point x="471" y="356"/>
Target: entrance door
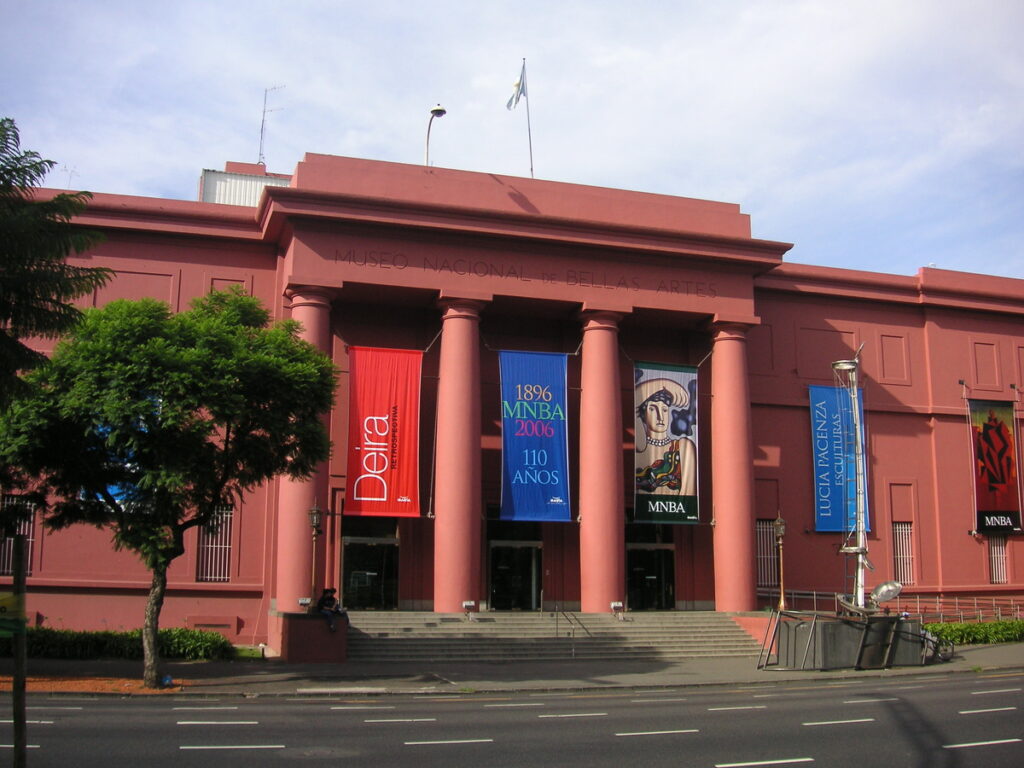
<point x="370" y="574"/>
<point x="650" y="578"/>
<point x="515" y="576"/>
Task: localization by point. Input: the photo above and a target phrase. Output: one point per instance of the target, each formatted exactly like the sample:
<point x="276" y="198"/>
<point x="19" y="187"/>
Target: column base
<point x="306" y="638"/>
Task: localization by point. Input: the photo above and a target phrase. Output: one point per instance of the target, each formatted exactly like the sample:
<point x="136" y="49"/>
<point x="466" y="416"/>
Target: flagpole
<point x="529" y="131"/>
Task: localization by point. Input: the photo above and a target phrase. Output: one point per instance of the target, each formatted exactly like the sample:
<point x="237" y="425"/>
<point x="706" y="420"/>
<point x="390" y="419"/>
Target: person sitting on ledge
<point x="328" y="606"/>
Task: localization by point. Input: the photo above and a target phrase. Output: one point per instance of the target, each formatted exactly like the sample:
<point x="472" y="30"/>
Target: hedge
<point x="962" y="633"/>
<point x="174" y="643"/>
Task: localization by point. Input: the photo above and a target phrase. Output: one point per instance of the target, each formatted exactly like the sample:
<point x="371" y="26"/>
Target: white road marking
<point x="218" y="722"/>
<point x="31" y="722"/>
<point x="1001" y="690"/>
<point x="354" y="707"/>
<point x="979" y="744"/>
<point x="404" y="720"/>
<point x="868" y="701"/>
<point x="785" y="761"/>
<point x="657" y="733"/>
<point x="450" y="741"/>
<point x="729" y="709"/>
<point x="579" y="714"/>
<point x="653" y="701"/>
<point x="843" y="722"/>
<point x="983" y="711"/>
<point x="232" y="746"/>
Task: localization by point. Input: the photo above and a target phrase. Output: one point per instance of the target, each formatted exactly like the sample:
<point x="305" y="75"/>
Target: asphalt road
<point x="934" y="721"/>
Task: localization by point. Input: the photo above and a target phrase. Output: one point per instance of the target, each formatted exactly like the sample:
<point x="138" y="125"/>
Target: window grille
<point x="903" y="552"/>
<point x="214" y="561"/>
<point x="767" y="554"/>
<point x="997" y="557"/>
<point x="26" y="528"/>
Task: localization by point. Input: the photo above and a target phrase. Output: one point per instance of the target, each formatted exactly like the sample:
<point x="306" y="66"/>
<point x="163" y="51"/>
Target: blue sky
<point x="873" y="135"/>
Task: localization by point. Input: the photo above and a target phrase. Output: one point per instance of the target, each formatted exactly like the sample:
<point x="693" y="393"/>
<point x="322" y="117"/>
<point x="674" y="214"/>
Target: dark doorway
<point x="650" y="579"/>
<point x="516" y="577"/>
<point x="370" y="578"/>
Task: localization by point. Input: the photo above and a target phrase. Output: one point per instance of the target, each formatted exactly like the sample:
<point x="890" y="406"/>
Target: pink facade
<point x="460" y="265"/>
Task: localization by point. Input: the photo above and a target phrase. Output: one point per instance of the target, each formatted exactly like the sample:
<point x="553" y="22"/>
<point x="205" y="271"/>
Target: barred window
<point x="997" y="558"/>
<point x="26" y="528"/>
<point x="903" y="552"/>
<point x="767" y="554"/>
<point x="214" y="561"/>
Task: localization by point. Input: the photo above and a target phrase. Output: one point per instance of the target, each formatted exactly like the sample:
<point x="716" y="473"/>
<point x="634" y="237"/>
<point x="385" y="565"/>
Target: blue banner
<point x="535" y="447"/>
<point x="834" y="458"/>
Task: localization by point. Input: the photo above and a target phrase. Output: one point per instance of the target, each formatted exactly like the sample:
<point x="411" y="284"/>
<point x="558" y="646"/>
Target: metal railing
<point x="928" y="608"/>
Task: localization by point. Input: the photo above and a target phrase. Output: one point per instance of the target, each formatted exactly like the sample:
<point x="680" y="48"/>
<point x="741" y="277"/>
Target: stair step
<point x="497" y="637"/>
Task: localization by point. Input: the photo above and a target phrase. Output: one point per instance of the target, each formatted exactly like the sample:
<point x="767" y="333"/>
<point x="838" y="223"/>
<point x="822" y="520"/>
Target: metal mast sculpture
<point x="846" y="372"/>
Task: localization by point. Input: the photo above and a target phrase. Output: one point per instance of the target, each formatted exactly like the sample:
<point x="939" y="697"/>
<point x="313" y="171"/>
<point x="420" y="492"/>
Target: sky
<point x="874" y="135"/>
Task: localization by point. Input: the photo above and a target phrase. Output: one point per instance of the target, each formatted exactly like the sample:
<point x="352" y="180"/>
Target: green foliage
<point x="36" y="236"/>
<point x="148" y="422"/>
<point x="188" y="644"/>
<point x="964" y="633"/>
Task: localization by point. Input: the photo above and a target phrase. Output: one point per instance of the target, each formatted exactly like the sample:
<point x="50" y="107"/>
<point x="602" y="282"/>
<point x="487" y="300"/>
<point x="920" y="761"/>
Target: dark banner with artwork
<point x="996" y="491"/>
<point x="383" y="432"/>
<point x="834" y="459"/>
<point x="534" y="437"/>
<point x="665" y="462"/>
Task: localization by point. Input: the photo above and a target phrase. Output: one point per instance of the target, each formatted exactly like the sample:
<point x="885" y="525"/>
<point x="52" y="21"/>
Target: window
<point x="214" y="561"/>
<point x="997" y="558"/>
<point x="26" y="528"/>
<point x="903" y="552"/>
<point x="767" y="554"/>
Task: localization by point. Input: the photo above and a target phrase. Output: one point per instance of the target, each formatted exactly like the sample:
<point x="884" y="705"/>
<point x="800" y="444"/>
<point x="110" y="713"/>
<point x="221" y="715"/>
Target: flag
<point x="519" y="91"/>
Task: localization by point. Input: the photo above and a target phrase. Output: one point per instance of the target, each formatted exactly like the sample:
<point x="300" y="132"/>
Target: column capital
<point x="600" y="319"/>
<point x="311" y="295"/>
<point x="454" y="307"/>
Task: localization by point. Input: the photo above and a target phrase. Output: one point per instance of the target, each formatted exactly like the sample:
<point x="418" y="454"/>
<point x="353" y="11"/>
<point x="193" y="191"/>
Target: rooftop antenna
<point x="70" y="172"/>
<point x="263" y="122"/>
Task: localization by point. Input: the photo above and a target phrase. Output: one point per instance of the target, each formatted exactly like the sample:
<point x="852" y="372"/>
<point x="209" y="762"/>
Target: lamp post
<point x="437" y="111"/>
<point x="316" y="516"/>
<point x="780" y="530"/>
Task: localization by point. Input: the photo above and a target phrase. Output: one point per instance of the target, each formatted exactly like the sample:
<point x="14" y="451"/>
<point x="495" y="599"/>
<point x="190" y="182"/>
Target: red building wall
<point x="386" y="242"/>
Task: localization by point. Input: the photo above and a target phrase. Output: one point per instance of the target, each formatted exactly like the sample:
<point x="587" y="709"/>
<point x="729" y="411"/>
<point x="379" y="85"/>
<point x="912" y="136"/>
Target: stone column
<point x="457" y="489"/>
<point x="312" y="308"/>
<point x="602" y="516"/>
<point x="732" y="470"/>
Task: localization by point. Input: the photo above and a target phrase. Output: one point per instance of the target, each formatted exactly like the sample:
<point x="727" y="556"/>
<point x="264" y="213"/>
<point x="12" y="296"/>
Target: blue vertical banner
<point x="834" y="458"/>
<point x="535" y="447"/>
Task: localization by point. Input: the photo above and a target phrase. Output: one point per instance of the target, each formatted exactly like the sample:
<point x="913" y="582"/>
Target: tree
<point x="149" y="422"/>
<point x="36" y="236"/>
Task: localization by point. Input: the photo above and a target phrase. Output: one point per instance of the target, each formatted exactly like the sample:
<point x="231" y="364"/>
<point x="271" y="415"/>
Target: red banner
<point x="383" y="432"/>
<point x="996" y="487"/>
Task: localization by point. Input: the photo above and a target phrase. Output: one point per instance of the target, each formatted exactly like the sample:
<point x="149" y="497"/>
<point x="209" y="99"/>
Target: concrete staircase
<point x="411" y="636"/>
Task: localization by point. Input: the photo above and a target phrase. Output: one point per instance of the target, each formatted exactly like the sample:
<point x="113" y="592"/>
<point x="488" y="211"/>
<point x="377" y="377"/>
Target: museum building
<point x="601" y="400"/>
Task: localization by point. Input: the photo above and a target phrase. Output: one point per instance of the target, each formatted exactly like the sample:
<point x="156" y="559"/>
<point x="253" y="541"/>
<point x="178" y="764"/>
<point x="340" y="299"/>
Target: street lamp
<point x="316" y="518"/>
<point x="437" y="111"/>
<point x="780" y="530"/>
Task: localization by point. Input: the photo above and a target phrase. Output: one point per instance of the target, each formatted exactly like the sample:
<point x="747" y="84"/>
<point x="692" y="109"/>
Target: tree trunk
<point x="150" y="628"/>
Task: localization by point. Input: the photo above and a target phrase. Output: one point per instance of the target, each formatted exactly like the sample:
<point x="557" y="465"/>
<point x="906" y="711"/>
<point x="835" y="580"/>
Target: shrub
<point x="174" y="643"/>
<point x="962" y="633"/>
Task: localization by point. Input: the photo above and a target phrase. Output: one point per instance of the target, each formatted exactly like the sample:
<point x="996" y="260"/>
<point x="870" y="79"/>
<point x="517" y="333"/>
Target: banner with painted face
<point x="665" y="461"/>
<point x="383" y="432"/>
<point x="996" y="488"/>
<point x="535" y="445"/>
<point x="833" y="456"/>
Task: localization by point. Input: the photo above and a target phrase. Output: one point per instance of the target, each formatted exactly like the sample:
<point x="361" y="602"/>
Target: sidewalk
<point x="274" y="678"/>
